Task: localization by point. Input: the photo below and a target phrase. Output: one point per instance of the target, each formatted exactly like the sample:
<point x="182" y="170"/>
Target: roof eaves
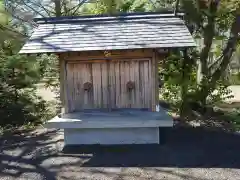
<point x="123" y="16"/>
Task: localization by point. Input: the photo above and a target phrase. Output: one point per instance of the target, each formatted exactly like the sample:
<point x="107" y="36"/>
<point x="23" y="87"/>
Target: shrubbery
<point x="19" y="74"/>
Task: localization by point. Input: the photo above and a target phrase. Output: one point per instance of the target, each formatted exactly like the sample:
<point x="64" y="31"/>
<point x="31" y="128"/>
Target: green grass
<point x="235" y="79"/>
<point x="234" y="118"/>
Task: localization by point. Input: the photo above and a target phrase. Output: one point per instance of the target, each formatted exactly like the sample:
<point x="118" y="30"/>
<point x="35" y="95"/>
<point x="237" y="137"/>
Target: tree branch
<point x="155" y="7"/>
<point x="30" y="7"/>
<point x="32" y="23"/>
<point x="11" y="12"/>
<point x="79" y="5"/>
<point x="215" y="63"/>
<point x="25" y="4"/>
<point x="49" y="12"/>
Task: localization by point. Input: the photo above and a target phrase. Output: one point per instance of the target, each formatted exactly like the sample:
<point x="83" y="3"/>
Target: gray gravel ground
<point x="194" y="154"/>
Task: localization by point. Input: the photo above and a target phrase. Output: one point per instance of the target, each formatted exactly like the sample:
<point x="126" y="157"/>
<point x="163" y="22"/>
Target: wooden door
<point x="109" y="84"/>
<point x="77" y="75"/>
<point x="94" y="73"/>
<point x="122" y="72"/>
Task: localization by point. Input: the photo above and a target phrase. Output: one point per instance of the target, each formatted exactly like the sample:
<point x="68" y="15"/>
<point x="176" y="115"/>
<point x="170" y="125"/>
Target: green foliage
<point x="24" y="108"/>
<point x="211" y="21"/>
<point x="221" y="93"/>
<point x="118" y="6"/>
<point x="19" y="103"/>
<point x="3" y="16"/>
<point x="197" y="13"/>
<point x="178" y="72"/>
<point x="170" y="71"/>
<point x="50" y="70"/>
<point x="234" y="118"/>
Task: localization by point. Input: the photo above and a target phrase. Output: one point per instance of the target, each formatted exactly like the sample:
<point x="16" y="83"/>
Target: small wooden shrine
<point x="108" y="74"/>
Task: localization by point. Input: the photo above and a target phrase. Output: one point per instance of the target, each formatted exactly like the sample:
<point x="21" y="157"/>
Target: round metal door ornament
<point x="130" y="85"/>
<point x="87" y="86"/>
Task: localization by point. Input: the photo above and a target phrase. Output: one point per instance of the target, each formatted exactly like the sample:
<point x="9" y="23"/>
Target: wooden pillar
<point x="63" y="90"/>
<point x="155" y="86"/>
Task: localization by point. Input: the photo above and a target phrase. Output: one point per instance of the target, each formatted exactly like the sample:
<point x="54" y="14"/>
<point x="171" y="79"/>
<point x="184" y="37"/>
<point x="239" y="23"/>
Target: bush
<point x="180" y="87"/>
<point x="29" y="108"/>
<point x="19" y="103"/>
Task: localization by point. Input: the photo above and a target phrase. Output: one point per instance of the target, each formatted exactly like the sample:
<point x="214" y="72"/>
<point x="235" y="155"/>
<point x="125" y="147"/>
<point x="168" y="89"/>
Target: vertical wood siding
<point x="109" y="79"/>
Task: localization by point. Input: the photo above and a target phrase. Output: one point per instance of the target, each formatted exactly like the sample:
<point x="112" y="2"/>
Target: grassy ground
<point x="235" y="79"/>
<point x="230" y="113"/>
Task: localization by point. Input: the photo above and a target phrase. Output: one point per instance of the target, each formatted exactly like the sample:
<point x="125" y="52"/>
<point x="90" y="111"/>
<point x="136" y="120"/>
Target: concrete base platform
<point x="111" y="136"/>
<point x="111" y="128"/>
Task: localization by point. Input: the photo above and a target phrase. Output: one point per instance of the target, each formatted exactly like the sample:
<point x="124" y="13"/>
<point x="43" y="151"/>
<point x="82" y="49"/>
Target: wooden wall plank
<point x="104" y="60"/>
<point x="75" y="82"/>
<point x="127" y="95"/>
<point x="123" y="86"/>
<point x="137" y="84"/>
<point x="147" y="87"/>
<point x="116" y="54"/>
<point x="83" y="73"/>
<point x="142" y="84"/>
<point x="80" y="68"/>
<point x="90" y="93"/>
<point x="112" y="84"/>
<point x="86" y="78"/>
<point x="97" y="81"/>
<point x="104" y="85"/>
<point x="70" y="69"/>
<point x="132" y="94"/>
<point x="118" y="84"/>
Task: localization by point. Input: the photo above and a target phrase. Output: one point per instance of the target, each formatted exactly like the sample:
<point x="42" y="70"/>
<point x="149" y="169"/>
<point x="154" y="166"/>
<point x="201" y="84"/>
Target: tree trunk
<point x="208" y="36"/>
<point x="186" y="70"/>
<point x="57" y="4"/>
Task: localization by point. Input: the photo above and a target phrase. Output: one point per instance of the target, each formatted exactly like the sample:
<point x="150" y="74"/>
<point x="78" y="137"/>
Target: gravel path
<point x="193" y="154"/>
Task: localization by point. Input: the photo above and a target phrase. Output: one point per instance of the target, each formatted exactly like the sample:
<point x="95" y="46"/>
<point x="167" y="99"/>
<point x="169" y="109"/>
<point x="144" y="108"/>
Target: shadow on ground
<point x="41" y="155"/>
<point x="186" y="148"/>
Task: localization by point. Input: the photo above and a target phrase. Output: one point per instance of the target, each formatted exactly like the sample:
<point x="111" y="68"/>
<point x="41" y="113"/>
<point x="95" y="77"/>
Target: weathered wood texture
<point x="100" y="55"/>
<point x="62" y="79"/>
<point x="109" y="76"/>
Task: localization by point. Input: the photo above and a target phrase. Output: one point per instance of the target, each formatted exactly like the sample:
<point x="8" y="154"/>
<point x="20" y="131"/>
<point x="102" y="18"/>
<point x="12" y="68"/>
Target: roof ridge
<point x="121" y="16"/>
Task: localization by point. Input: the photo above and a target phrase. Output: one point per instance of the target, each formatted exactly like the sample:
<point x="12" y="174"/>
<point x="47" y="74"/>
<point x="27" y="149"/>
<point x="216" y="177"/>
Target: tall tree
<point x="213" y="20"/>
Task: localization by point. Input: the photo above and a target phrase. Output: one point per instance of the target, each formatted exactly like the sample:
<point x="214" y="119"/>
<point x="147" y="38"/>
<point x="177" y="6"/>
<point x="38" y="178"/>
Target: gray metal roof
<point x="87" y="33"/>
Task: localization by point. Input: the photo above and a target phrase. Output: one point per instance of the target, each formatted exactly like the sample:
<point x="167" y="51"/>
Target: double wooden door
<point x="107" y="84"/>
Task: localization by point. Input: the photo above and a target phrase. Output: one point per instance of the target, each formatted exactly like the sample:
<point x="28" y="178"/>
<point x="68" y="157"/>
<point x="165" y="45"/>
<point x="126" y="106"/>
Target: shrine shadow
<point x="184" y="148"/>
